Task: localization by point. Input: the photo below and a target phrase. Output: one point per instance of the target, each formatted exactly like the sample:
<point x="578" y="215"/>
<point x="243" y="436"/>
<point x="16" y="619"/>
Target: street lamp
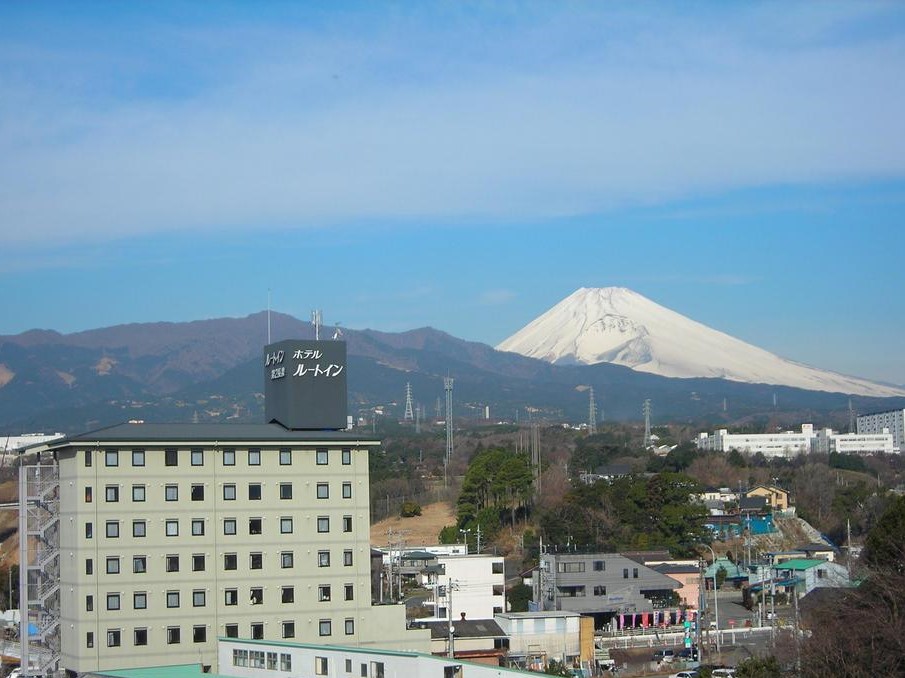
<point x="716" y="606"/>
<point x="465" y="534"/>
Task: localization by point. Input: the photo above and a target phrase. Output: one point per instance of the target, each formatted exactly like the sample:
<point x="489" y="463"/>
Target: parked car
<point x="688" y="654"/>
<point x="664" y="655"/>
<point x="690" y="673"/>
<point x="723" y="673"/>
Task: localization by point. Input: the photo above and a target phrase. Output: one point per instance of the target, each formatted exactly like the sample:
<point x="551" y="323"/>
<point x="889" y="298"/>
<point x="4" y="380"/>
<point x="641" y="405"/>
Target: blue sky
<point x="459" y="165"/>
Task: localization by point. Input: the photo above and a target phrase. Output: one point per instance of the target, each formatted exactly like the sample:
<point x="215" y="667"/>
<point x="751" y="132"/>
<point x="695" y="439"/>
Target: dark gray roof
<point x="221" y="433"/>
<point x="464" y="628"/>
<point x="816" y="546"/>
<point x="752" y="503"/>
<point x="671" y="568"/>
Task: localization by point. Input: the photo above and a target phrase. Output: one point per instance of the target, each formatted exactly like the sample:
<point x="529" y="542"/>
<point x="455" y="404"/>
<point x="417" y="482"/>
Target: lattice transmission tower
<point x="592" y="414"/>
<point x="409" y="415"/>
<point x="646" y="411"/>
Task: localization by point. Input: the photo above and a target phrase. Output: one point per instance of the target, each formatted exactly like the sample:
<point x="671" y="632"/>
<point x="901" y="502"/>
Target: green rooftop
<point x="800" y="564"/>
<point x="174" y="671"/>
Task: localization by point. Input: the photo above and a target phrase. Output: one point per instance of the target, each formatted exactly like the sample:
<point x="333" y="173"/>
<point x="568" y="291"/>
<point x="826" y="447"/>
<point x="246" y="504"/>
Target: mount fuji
<point x="617" y="325"/>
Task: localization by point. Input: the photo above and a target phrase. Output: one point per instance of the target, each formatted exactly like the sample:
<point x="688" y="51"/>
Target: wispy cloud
<point x="496" y="297"/>
<point x="546" y="113"/>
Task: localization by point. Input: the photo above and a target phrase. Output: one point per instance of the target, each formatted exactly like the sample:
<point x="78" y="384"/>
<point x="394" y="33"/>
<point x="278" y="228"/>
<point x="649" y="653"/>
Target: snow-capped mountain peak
<point x="618" y="325"/>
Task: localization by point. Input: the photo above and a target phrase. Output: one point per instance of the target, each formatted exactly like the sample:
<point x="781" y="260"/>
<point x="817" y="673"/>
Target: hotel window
<point x="171" y="492"/>
<point x="141" y="637"/>
<point x="140" y="600"/>
<point x="634" y="573"/>
<point x="231" y="597"/>
<point x="198" y="562"/>
<point x="173" y="635"/>
<point x="172" y="563"/>
<point x="139" y="564"/>
<point x="347" y="490"/>
<point x="171" y="528"/>
<point x="288" y="630"/>
<point x="257" y="631"/>
<point x="232" y="631"/>
<point x="89" y="603"/>
<point x="285" y="490"/>
<point x="323" y="491"/>
<point x="322" y="456"/>
<point x="285" y="456"/>
<point x="347" y="523"/>
<point x="320" y="665"/>
<point x="113" y="565"/>
<point x="139" y="528"/>
<point x="347" y="456"/>
<point x="271" y="661"/>
<point x="287" y="559"/>
<point x="172" y="598"/>
<point x="89" y="639"/>
<point x="197" y="456"/>
<point x="171" y="456"/>
<point x="197" y="492"/>
<point x="347" y="558"/>
<point x="625" y="573"/>
<point x="323" y="523"/>
<point x="377" y="670"/>
<point x="138" y="457"/>
<point x="600" y="590"/>
<point x="255" y="561"/>
<point x="89" y="530"/>
<point x="199" y="634"/>
<point x="88" y="494"/>
<point x="257" y="596"/>
<point x="230" y="561"/>
<point x="323" y="559"/>
<point x="229" y="526"/>
<point x="198" y="527"/>
<point x="111" y="458"/>
<point x="349" y="592"/>
<point x="254" y="525"/>
<point x="324" y="627"/>
<point x="87" y="458"/>
<point x="323" y="593"/>
<point x="285" y="662"/>
<point x="112" y="601"/>
<point x="199" y="598"/>
<point x="89" y="566"/>
<point x="254" y="457"/>
<point x="285" y="525"/>
<point x="350" y="627"/>
<point x="229" y="492"/>
<point x="348" y="666"/>
<point x="254" y="491"/>
<point x="287" y="595"/>
<point x="114" y="638"/>
<point x="138" y="493"/>
<point x="599" y="566"/>
<point x="112" y="493"/>
<point x="229" y="457"/>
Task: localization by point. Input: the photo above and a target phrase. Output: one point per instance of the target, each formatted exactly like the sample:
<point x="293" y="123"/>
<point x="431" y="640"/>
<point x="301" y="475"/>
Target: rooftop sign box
<point x="305" y="384"/>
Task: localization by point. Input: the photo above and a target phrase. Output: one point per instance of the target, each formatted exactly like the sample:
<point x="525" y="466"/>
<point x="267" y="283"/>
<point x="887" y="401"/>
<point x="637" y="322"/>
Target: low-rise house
<point x="689" y="579"/>
<point x="777" y="498"/>
<point x="819" y="550"/>
<point x="803" y="575"/>
<point x="478" y="640"/>
<point x="537" y="637"/>
<point x="474" y="585"/>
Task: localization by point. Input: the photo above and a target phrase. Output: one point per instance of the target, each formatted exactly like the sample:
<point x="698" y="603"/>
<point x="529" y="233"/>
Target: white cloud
<point x="496" y="297"/>
<point x="315" y="131"/>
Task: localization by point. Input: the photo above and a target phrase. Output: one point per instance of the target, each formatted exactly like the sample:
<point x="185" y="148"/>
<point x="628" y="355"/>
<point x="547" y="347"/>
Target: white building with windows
<point x="826" y="442"/>
<point x="785" y="444"/>
<point x="892" y="420"/>
<point x="472" y="585"/>
<point x="174" y="534"/>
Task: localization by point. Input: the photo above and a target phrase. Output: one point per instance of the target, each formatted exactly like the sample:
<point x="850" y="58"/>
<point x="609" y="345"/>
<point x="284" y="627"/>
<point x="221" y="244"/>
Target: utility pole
<point x="449" y="614"/>
<point x="448" y="387"/>
<point x="479" y="538"/>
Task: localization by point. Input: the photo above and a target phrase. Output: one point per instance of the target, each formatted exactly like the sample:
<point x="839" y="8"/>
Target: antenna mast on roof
<point x="316" y="320"/>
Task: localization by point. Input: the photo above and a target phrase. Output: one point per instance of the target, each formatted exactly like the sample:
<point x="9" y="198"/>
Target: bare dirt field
<point x="417" y="530"/>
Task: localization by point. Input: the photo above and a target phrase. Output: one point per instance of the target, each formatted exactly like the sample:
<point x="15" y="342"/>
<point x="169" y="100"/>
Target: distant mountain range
<point x="210" y="370"/>
<point x="618" y="326"/>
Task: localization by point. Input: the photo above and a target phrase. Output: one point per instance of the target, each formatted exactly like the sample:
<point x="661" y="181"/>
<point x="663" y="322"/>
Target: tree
<point x="756" y="667"/>
<point x="885" y="543"/>
<point x="518" y="597"/>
